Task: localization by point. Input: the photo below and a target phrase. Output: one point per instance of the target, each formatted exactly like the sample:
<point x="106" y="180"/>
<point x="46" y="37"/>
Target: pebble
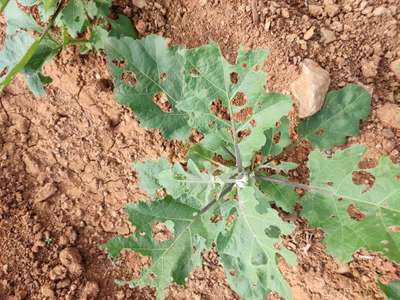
<point x="395" y="67"/>
<point x="370" y="67"/>
<point x="46" y="191"/>
<point x="389" y="114"/>
<point x="58" y="273"/>
<point x="90" y="291"/>
<point x="315" y="10"/>
<point x="388" y="133"/>
<point x="285" y="13"/>
<point x="327" y="36"/>
<point x="309" y="33"/>
<point x="380" y="11"/>
<point x="139" y="3"/>
<point x="47" y="292"/>
<point x="317" y="81"/>
<point x="332" y="10"/>
<point x="71" y="259"/>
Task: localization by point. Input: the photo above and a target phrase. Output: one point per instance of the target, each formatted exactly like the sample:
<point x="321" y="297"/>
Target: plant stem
<point x="3" y="6"/>
<point x="221" y="195"/>
<point x="31" y="51"/>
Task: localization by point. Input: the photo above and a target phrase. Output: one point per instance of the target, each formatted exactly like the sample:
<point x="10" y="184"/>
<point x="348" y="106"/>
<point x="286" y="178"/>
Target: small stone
<point x="370" y="67"/>
<point x="332" y="10"/>
<point x="71" y="259"/>
<point x="327" y="36"/>
<point x="58" y="273"/>
<point x="46" y="191"/>
<point x="388" y="133"/>
<point x="47" y="292"/>
<point x="90" y="291"/>
<point x="63" y="284"/>
<point x="141" y="26"/>
<point x="315" y="10"/>
<point x="343" y="269"/>
<point x="309" y="33"/>
<point x="310" y="88"/>
<point x="389" y="114"/>
<point x="395" y="67"/>
<point x="285" y="13"/>
<point x="389" y="145"/>
<point x="380" y="11"/>
<point x="267" y="25"/>
<point x="139" y="3"/>
<point x="337" y="26"/>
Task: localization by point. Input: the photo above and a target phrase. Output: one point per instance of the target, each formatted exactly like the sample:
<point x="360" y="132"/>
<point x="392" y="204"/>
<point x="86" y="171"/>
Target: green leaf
<point x="3" y="5"/>
<point x="18" y="19"/>
<point x="74" y="17"/>
<point x="99" y="37"/>
<point x="339" y="118"/>
<point x="122" y="27"/>
<point x="392" y="290"/>
<point x="98" y="8"/>
<point x="192" y="187"/>
<point x="49" y="4"/>
<point x="148" y="173"/>
<point x="247" y="250"/>
<point x="281" y="133"/>
<point x="171" y="260"/>
<point x="283" y="196"/>
<point x="187" y="82"/>
<point x="353" y="216"/>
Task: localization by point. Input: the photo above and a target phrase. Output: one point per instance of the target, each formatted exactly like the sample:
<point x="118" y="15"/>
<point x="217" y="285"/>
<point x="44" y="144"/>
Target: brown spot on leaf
<point x="4" y="71"/>
<point x="194" y="72"/>
<point x="129" y="78"/>
<point x="240" y="99"/>
<point x="243" y="134"/>
<point x="162" y="102"/>
<point x="163" y="76"/>
<point x="243" y="114"/>
<point x="196" y="136"/>
<point x="319" y="132"/>
<point x="219" y="110"/>
<point x="161" y="232"/>
<point x="395" y="229"/>
<point x="234" y="77"/>
<point x="120" y="63"/>
<point x="355" y="213"/>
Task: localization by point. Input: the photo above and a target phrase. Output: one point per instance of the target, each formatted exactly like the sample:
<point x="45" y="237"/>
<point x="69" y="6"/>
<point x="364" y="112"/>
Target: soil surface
<point x="65" y="159"/>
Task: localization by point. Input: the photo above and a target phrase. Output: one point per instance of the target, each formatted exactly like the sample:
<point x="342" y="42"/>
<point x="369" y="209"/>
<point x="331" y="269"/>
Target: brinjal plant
<point x="32" y="41"/>
<point x="224" y="196"/>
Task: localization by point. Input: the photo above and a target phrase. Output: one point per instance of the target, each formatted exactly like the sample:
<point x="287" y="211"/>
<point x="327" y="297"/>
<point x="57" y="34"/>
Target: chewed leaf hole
<point x="129" y="78"/>
<point x="163" y="231"/>
<point x="243" y="114"/>
<point x="276" y="137"/>
<point x="161" y="99"/>
<point x="272" y="231"/>
<point x="218" y="109"/>
<point x="4" y="71"/>
<point x="395" y="229"/>
<point x="194" y="73"/>
<point x="319" y="132"/>
<point x="163" y="76"/>
<point x="355" y="213"/>
<point x="234" y="77"/>
<point x="243" y="134"/>
<point x="363" y="178"/>
<point x="120" y="63"/>
<point x="240" y="99"/>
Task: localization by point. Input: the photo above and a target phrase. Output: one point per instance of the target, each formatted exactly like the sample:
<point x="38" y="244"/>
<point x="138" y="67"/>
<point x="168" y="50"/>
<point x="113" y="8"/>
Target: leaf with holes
<point x="176" y="251"/>
<point x="392" y="290"/>
<point x="354" y="216"/>
<point x="176" y="89"/>
<point x="338" y="119"/>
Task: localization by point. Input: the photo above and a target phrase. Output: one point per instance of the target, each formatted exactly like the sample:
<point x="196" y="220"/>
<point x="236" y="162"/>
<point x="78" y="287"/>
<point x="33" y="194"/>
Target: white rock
<point x="139" y="3"/>
<point x="395" y="67"/>
<point x="327" y="36"/>
<point x="310" y="88"/>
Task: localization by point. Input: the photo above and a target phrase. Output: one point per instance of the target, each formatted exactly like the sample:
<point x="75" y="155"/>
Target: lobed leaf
<point x="338" y="119"/>
<point x="354" y="216"/>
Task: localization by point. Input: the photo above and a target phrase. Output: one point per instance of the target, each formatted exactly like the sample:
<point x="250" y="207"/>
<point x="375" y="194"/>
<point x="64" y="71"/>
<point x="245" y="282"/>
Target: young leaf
<point x="338" y="119"/>
<point x="247" y="250"/>
<point x="74" y="17"/>
<point x="171" y="260"/>
<point x="283" y="196"/>
<point x="193" y="187"/>
<point x="97" y="8"/>
<point x="392" y="290"/>
<point x="354" y="216"/>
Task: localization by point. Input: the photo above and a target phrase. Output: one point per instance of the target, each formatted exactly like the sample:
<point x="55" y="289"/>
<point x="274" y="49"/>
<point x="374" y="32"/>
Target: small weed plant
<point x="224" y="197"/>
<point x="37" y="30"/>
